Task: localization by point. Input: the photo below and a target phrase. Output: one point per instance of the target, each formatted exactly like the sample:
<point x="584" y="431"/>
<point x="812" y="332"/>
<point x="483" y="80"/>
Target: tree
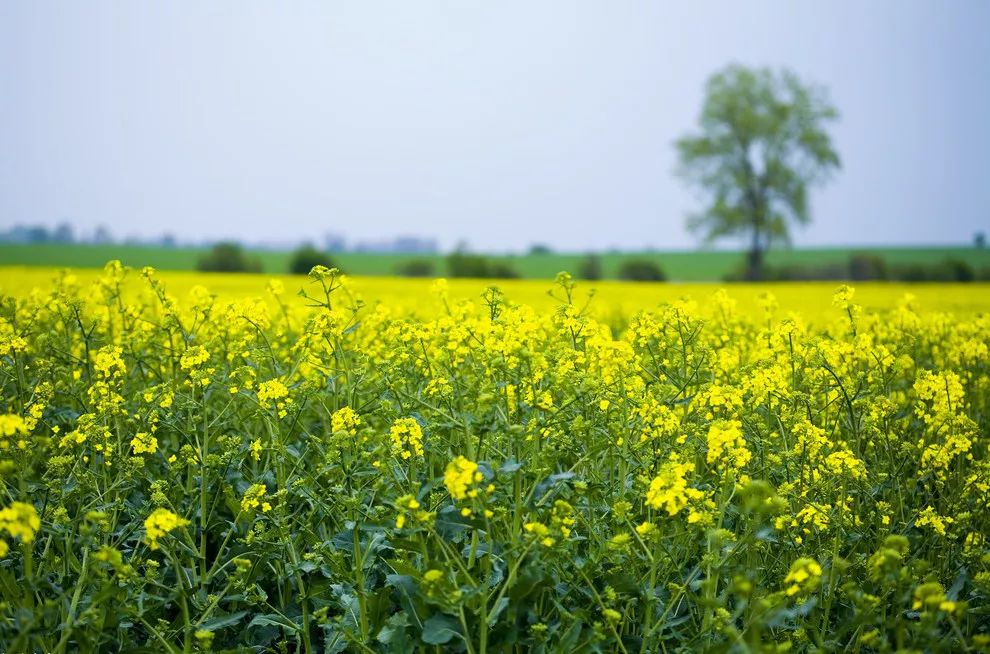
<point x="762" y="145"/>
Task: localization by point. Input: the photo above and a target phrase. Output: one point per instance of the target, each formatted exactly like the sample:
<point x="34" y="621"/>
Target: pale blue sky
<point x="503" y="123"/>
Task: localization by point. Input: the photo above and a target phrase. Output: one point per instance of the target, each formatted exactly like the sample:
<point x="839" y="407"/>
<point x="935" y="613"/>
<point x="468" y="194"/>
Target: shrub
<point x="949" y="270"/>
<point x="228" y="257"/>
<point x="955" y="270"/>
<point x="502" y="270"/>
<point x="464" y="264"/>
<point x="590" y="267"/>
<point x="305" y="258"/>
<point x="866" y="267"/>
<point x="641" y="270"/>
<point x="416" y="268"/>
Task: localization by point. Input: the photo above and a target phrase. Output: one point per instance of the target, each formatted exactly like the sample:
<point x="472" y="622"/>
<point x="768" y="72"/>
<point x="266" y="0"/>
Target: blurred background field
<point x="610" y="300"/>
<point x="678" y="265"/>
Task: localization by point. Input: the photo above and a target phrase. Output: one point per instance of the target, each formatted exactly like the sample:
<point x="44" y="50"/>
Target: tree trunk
<point x="754" y="258"/>
<point x="754" y="264"/>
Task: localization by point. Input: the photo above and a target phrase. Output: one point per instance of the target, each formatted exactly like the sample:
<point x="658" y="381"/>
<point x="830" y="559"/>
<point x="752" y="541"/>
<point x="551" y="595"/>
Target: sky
<point x="500" y="124"/>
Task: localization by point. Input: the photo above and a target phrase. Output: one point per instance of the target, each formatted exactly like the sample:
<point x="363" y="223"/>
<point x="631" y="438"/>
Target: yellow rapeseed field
<point x="219" y="463"/>
<point x="611" y="299"/>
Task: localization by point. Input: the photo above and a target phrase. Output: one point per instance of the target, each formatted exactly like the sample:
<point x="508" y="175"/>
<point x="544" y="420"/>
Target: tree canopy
<point x="761" y="145"/>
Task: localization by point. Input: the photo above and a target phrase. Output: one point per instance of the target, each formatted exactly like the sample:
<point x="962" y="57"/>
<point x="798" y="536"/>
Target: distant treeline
<point x="860" y="267"/>
<point x="873" y="267"/>
<point x="231" y="257"/>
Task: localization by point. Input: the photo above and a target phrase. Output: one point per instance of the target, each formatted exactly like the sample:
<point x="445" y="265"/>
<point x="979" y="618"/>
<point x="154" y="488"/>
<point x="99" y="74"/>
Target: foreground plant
<point x="263" y="475"/>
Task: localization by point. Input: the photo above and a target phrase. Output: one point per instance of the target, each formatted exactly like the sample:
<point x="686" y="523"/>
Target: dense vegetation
<point x="220" y="474"/>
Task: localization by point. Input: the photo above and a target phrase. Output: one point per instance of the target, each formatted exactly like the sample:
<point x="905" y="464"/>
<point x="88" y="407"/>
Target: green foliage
<point x="590" y="267"/>
<point x="416" y="268"/>
<point x="641" y="270"/>
<point x="864" y="267"/>
<point x="466" y="264"/>
<point x="306" y="258"/>
<point x="761" y="146"/>
<point x="228" y="257"/>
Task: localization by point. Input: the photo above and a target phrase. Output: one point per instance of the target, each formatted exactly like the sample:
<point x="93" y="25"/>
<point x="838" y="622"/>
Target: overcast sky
<point x="499" y="122"/>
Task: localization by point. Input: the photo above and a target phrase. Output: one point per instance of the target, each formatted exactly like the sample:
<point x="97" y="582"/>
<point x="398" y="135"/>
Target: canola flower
<point x="345" y="420"/>
<point x="459" y="476"/>
<point x="144" y="443"/>
<point x="804" y="576"/>
<point x="254" y="499"/>
<point x="159" y="524"/>
<point x="670" y="491"/>
<point x="407" y="437"/>
<point x="726" y="443"/>
<point x="19" y="520"/>
<point x="471" y="470"/>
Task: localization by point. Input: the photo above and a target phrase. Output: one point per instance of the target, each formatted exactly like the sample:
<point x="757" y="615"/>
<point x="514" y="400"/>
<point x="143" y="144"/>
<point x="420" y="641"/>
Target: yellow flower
<point x="928" y="518"/>
<point x="253" y="499"/>
<point x="408" y="506"/>
<point x="193" y="357"/>
<point x="407" y="437"/>
<point x="144" y="443"/>
<point x="843" y="296"/>
<point x="108" y="362"/>
<point x="804" y="576"/>
<point x="12" y="425"/>
<point x="669" y="489"/>
<point x="345" y="420"/>
<point x="20" y="520"/>
<point x="541" y="532"/>
<point x="274" y="392"/>
<point x="271" y="390"/>
<point x="845" y="462"/>
<point x="725" y="437"/>
<point x="160" y="523"/>
<point x="459" y="476"/>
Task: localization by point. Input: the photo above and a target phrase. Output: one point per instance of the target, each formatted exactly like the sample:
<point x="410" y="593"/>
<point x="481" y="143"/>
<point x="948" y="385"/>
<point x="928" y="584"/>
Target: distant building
<point x="399" y="245"/>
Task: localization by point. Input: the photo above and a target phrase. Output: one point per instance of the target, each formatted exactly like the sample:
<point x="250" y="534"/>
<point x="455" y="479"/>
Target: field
<point x="217" y="463"/>
<point x="699" y="266"/>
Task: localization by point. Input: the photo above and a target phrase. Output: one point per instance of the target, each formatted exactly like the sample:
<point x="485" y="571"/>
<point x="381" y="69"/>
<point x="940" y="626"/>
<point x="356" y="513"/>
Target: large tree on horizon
<point x="761" y="145"/>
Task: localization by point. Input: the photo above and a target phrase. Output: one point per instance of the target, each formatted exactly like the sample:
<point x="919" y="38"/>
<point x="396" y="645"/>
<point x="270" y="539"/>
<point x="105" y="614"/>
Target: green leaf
<point x="273" y="620"/>
<point x="394" y="628"/>
<point x="221" y="621"/>
<point x="439" y="629"/>
<point x="497" y="611"/>
<point x="510" y="466"/>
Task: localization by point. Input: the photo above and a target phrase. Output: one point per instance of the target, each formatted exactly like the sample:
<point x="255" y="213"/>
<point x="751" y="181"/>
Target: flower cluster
<point x="159" y="524"/>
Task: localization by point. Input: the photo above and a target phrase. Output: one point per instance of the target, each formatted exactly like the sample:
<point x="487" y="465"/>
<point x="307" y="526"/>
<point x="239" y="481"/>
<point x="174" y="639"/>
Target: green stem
<point x="74" y="604"/>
